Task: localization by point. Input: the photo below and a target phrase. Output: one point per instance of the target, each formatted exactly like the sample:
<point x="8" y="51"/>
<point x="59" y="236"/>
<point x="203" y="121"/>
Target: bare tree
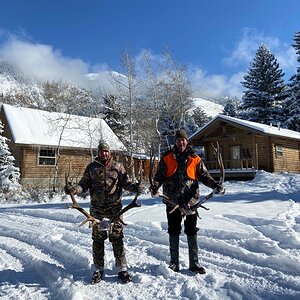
<point x="153" y="84"/>
<point x="127" y="85"/>
<point x="178" y="89"/>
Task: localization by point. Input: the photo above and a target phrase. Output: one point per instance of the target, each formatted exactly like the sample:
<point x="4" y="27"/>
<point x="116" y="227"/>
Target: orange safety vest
<point x="172" y="165"/>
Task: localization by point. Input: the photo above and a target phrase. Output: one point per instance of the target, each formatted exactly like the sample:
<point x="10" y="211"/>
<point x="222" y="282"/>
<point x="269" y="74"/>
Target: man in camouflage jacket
<point x="179" y="171"/>
<point x="105" y="179"/>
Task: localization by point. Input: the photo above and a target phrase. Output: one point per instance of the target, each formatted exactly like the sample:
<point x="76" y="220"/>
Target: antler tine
<point x="93" y="221"/>
<point x="222" y="177"/>
<point x="151" y="167"/>
<point x="219" y="162"/>
<point x="133" y="204"/>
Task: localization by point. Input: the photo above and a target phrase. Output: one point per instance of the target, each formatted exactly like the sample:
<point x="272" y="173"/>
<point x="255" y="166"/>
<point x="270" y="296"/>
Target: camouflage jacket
<point x="106" y="184"/>
<point x="179" y="187"/>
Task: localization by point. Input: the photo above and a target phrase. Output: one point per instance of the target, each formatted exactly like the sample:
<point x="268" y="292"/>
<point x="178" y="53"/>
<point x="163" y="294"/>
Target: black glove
<point x="72" y="189"/>
<point x="67" y="189"/>
<point x="154" y="190"/>
<point x="140" y="189"/>
<point x="219" y="189"/>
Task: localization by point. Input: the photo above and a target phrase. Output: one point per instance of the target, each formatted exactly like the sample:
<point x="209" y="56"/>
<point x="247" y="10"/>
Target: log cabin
<point x="247" y="147"/>
<point x="49" y="145"/>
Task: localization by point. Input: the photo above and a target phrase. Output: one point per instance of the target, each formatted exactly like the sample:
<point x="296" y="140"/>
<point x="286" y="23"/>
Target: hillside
<point x="210" y="108"/>
<point x="14" y="83"/>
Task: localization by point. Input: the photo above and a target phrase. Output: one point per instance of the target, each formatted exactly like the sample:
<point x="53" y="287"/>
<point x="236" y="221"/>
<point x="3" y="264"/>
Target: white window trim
<point x="46" y="157"/>
<point x="278" y="151"/>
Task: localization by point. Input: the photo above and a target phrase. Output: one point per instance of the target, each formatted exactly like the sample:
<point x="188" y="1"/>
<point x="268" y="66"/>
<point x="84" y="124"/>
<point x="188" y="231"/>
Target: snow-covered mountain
<point x="210" y="108"/>
<point x="14" y="83"/>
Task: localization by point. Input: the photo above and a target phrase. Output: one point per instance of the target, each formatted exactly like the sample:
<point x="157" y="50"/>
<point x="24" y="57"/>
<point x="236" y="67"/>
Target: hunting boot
<point x="125" y="276"/>
<point x="97" y="276"/>
<point x="193" y="255"/>
<point x="174" y="252"/>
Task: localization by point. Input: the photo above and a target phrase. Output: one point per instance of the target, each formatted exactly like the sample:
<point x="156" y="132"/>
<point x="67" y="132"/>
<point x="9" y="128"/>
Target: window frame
<point x="238" y="147"/>
<point x="278" y="153"/>
<point x="46" y="157"/>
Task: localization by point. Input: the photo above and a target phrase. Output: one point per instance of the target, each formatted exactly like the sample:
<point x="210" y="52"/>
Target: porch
<point x="235" y="169"/>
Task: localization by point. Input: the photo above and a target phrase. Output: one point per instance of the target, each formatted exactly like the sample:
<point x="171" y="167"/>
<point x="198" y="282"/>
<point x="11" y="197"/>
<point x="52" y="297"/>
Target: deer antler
<point x="93" y="221"/>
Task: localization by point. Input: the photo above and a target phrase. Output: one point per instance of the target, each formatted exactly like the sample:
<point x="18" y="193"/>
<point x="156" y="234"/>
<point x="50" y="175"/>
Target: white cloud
<point x="246" y="47"/>
<point x="216" y="85"/>
<point x="43" y="62"/>
<point x="203" y="84"/>
<point x="241" y="57"/>
<point x="46" y="63"/>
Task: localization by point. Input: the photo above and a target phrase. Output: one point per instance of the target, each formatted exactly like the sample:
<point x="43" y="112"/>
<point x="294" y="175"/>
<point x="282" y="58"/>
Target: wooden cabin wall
<point x="264" y="157"/>
<point x="290" y="160"/>
<point x="70" y="162"/>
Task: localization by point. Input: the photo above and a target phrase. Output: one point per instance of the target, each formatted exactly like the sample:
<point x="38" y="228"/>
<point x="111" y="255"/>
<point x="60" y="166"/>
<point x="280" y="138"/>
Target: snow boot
<point x="97" y="276"/>
<point x="124" y="276"/>
<point x="198" y="269"/>
<point x="174" y="252"/>
<point x="193" y="255"/>
<point x="174" y="267"/>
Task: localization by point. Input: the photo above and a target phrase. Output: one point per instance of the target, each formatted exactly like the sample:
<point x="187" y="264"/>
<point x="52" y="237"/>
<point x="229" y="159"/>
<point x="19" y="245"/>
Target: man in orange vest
<point x="179" y="171"/>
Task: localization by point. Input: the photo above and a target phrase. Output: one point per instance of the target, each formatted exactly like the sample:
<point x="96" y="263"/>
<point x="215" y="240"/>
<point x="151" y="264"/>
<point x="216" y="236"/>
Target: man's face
<point x="181" y="144"/>
<point x="104" y="155"/>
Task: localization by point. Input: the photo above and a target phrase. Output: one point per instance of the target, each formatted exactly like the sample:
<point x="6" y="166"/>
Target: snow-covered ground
<point x="249" y="243"/>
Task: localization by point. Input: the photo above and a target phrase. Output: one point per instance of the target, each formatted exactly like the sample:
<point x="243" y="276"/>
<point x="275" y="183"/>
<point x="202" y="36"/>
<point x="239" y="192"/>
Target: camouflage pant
<point x="116" y="238"/>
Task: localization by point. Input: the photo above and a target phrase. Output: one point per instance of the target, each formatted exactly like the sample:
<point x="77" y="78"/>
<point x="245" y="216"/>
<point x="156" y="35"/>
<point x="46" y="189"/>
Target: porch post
<point x="255" y="150"/>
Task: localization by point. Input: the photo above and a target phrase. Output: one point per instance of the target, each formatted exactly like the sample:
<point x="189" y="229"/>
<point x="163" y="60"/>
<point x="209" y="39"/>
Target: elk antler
<point x="133" y="204"/>
<point x="221" y="180"/>
<point x="93" y="221"/>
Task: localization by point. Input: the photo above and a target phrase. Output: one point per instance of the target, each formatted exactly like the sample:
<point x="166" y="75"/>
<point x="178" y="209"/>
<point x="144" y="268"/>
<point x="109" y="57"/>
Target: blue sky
<point x="215" y="39"/>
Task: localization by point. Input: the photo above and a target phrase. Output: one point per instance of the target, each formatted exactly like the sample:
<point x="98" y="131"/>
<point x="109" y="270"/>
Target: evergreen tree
<point x="265" y="89"/>
<point x="231" y="107"/>
<point x="190" y="124"/>
<point x="114" y="116"/>
<point x="200" y="117"/>
<point x="9" y="174"/>
<point x="292" y="106"/>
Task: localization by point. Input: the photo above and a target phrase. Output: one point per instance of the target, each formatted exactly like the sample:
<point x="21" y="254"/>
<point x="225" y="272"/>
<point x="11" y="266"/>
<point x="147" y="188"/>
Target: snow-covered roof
<point x="42" y="128"/>
<point x="262" y="128"/>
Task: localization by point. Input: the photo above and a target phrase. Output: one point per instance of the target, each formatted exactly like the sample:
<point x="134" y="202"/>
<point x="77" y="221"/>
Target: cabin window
<point x="278" y="150"/>
<point x="235" y="152"/>
<point x="47" y="157"/>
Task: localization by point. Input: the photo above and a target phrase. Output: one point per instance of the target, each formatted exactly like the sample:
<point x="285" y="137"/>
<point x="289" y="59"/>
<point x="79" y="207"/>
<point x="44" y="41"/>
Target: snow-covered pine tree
<point x="114" y="116"/>
<point x="9" y="174"/>
<point x="231" y="107"/>
<point x="265" y="89"/>
<point x="292" y="106"/>
<point x="200" y="117"/>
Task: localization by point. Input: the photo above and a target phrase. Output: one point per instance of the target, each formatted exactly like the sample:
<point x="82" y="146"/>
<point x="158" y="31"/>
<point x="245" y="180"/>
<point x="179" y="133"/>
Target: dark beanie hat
<point x="103" y="146"/>
<point x="181" y="134"/>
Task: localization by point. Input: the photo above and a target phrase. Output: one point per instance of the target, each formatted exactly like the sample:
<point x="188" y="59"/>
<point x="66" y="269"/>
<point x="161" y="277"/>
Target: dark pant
<point x="116" y="238"/>
<point x="174" y="223"/>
